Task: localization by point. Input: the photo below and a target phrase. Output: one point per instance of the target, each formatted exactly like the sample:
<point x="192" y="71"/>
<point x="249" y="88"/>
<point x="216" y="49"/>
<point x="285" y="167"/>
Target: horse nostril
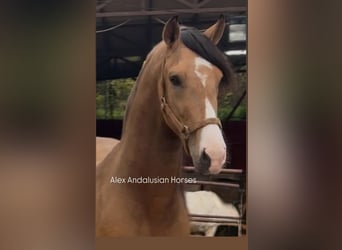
<point x="205" y="159"/>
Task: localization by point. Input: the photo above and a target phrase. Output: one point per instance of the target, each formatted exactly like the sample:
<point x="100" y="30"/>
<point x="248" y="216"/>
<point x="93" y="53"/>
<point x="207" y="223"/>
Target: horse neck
<point x="146" y="138"/>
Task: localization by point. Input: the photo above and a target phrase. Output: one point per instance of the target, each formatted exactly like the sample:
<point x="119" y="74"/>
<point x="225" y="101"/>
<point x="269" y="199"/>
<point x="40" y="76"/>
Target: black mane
<point x="201" y="45"/>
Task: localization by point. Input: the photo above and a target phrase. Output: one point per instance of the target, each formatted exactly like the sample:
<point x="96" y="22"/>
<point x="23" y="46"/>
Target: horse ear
<point x="171" y="31"/>
<point x="215" y="32"/>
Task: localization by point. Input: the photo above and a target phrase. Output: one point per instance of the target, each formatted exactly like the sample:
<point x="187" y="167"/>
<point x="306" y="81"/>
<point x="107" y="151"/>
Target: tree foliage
<point x="112" y="95"/>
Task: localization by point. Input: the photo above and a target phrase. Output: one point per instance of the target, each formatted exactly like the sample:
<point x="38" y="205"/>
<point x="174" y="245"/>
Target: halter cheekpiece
<point x="182" y="130"/>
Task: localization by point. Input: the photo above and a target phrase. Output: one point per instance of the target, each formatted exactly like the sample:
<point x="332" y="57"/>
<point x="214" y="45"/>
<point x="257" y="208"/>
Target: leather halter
<point x="182" y="130"/>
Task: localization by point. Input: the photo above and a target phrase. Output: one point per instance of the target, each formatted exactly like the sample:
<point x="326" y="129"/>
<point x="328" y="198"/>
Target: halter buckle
<point x="163" y="102"/>
<point x="186" y="132"/>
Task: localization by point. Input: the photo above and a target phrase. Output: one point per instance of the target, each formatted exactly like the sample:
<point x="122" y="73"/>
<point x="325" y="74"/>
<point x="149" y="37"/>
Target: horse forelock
<point x="197" y="42"/>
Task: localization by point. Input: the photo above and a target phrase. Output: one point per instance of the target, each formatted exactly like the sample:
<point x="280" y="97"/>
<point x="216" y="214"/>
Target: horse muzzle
<point x="207" y="165"/>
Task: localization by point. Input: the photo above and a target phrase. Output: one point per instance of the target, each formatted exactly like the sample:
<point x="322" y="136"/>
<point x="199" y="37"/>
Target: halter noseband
<point x="182" y="130"/>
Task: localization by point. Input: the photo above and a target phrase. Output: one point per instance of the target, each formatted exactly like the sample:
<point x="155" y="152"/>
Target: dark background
<point x="48" y="150"/>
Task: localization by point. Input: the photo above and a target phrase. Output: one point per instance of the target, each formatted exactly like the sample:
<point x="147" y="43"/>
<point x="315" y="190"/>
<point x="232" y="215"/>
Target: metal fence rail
<point x="223" y="171"/>
<point x="215" y="183"/>
<point x="222" y="220"/>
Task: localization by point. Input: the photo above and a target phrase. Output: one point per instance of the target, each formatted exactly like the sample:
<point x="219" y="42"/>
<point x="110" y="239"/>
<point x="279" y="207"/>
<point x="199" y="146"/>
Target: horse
<point x="208" y="203"/>
<point x="171" y="108"/>
<point x="103" y="147"/>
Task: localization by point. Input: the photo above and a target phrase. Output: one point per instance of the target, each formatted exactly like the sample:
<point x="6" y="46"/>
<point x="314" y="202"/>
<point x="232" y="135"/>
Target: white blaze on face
<point x="200" y="62"/>
<point x="211" y="139"/>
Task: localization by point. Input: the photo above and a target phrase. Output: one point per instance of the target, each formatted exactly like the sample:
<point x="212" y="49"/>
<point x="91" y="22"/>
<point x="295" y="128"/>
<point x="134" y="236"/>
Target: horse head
<point x="194" y="72"/>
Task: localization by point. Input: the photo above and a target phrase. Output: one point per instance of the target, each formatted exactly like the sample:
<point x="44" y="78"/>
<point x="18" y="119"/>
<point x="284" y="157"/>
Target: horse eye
<point x="175" y="80"/>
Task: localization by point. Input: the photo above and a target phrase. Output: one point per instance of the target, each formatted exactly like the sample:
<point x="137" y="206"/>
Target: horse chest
<point x="144" y="218"/>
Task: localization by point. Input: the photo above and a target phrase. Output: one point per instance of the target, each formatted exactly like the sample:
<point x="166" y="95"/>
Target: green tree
<point x="112" y="95"/>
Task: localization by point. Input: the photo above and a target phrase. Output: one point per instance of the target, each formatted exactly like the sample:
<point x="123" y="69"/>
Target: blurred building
<point x="128" y="29"/>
